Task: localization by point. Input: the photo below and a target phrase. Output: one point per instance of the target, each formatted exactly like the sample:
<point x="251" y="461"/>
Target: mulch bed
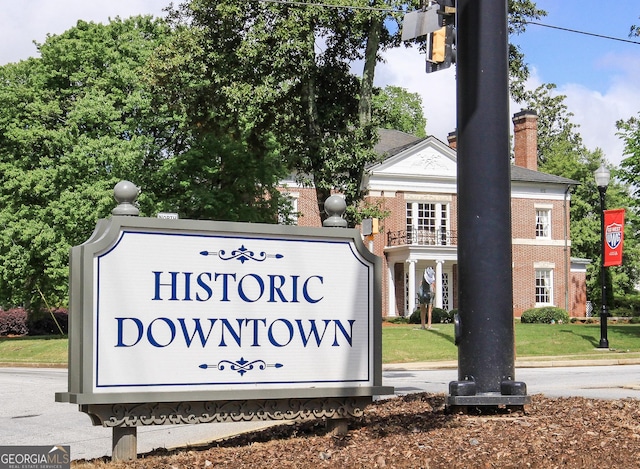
<point x="418" y="431"/>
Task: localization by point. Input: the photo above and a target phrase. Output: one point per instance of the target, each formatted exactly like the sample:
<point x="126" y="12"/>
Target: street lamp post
<point x="602" y="176"/>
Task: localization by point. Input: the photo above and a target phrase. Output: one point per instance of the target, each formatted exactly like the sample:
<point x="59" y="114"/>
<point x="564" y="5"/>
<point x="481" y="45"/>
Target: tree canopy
<point x="561" y="152"/>
<point x="72" y="124"/>
<point x="206" y="111"/>
<point x="396" y="108"/>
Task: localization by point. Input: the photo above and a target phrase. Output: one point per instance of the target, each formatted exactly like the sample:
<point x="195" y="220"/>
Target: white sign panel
<point x="182" y="311"/>
<point x="420" y="23"/>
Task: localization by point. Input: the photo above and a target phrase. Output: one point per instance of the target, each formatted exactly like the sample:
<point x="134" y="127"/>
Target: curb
<point x="522" y="363"/>
<point x="549" y="362"/>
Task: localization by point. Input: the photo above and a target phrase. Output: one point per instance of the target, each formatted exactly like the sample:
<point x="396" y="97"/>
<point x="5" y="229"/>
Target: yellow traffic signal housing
<point x="438" y="44"/>
<point x="441" y="48"/>
<point x="370" y="226"/>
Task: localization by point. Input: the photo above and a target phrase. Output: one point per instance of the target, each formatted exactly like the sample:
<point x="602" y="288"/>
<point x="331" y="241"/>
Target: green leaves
<point x="74" y="122"/>
<point x="396" y="108"/>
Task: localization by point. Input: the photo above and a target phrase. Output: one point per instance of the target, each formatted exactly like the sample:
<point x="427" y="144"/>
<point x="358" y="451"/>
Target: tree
<point x="72" y="124"/>
<point x="562" y="153"/>
<point x="520" y="12"/>
<point x="297" y="56"/>
<point x="254" y="68"/>
<point x="554" y="121"/>
<point x="634" y="30"/>
<point x="629" y="132"/>
<point x="396" y="108"/>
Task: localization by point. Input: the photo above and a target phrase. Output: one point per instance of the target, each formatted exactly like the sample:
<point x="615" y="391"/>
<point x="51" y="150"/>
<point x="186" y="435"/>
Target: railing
<point x="422" y="237"/>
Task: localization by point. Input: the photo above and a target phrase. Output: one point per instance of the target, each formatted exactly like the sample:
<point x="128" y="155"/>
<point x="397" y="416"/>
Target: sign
<point x="179" y="310"/>
<point x="420" y="23"/>
<point x="168" y="215"/>
<point x="613" y="236"/>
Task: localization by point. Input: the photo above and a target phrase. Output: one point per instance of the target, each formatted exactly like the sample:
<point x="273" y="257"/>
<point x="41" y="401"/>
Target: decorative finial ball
<point x="335" y="205"/>
<point x="125" y="192"/>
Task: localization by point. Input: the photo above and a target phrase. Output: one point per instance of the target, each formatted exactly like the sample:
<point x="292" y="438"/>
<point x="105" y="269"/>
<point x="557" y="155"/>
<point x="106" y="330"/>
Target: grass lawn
<point x="403" y="343"/>
<point x="408" y="343"/>
<point x="50" y="349"/>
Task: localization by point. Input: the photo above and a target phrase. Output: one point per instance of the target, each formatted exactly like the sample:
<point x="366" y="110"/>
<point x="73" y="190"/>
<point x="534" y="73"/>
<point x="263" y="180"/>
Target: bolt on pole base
<point x="463" y="394"/>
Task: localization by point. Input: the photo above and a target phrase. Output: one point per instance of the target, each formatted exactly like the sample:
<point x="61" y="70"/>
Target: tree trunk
<point x="370" y="61"/>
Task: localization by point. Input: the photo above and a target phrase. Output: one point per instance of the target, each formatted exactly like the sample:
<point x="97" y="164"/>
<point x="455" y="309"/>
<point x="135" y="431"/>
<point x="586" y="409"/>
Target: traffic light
<point x="441" y="51"/>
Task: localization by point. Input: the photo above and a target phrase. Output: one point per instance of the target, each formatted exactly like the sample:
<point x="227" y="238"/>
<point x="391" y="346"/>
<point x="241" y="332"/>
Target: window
<point x="543" y="223"/>
<point x="544" y="286"/>
<point x="290" y="218"/>
<point x="427" y="223"/>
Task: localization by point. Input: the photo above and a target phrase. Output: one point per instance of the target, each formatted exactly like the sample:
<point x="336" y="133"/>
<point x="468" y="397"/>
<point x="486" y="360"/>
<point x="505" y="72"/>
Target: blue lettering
<point x="225" y="285"/>
<point x="173" y="284"/>
<point x="236" y="335"/>
<point x="205" y="286"/>
<point x="294" y="289"/>
<point x="161" y="332"/>
<point x="188" y="337"/>
<point x="241" y="292"/>
<point x="272" y="338"/>
<point x="305" y="290"/>
<point x="273" y="289"/>
<point x="250" y="288"/>
<point x="137" y="322"/>
<point x="255" y="329"/>
<point x="305" y="336"/>
<point x="187" y="285"/>
<point x="151" y="338"/>
<point x="348" y="336"/>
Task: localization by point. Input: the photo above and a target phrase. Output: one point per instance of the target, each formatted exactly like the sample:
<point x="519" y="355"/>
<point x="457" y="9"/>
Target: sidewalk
<point x="525" y="362"/>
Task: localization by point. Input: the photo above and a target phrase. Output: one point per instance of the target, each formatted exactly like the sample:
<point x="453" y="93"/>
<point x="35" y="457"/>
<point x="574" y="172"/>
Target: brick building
<point x="416" y="183"/>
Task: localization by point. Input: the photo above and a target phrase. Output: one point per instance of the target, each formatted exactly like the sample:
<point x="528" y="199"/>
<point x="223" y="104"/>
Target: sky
<point x="599" y="77"/>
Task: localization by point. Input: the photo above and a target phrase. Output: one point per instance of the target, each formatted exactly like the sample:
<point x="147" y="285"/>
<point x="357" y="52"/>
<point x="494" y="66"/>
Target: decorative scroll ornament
<point x="171" y="413"/>
<point x="242" y="366"/>
<point x="242" y="254"/>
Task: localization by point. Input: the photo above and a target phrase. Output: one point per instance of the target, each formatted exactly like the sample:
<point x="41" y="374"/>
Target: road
<point x="598" y="382"/>
<point x="30" y="416"/>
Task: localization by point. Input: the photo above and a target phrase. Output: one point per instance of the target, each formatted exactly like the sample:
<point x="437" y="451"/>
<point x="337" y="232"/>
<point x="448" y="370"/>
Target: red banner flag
<point x="613" y="236"/>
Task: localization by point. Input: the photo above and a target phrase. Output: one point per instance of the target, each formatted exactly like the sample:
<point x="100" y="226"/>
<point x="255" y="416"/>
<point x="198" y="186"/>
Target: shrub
<point x="13" y="322"/>
<point x="45" y="324"/>
<point x="544" y="315"/>
<point x="395" y="319"/>
<point x="438" y="315"/>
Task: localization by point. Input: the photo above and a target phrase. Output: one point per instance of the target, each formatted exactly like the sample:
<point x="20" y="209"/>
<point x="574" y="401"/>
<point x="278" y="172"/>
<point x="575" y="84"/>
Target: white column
<point x="412" y="286"/>
<point x="438" y="302"/>
<point x="391" y="289"/>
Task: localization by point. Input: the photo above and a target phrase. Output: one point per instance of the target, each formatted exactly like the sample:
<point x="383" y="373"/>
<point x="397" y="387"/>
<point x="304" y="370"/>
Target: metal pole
<point x="485" y="327"/>
<point x="604" y="341"/>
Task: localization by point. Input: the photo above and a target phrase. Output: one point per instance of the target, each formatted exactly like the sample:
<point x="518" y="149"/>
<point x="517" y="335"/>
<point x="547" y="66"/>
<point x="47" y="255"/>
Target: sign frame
<point x="82" y="333"/>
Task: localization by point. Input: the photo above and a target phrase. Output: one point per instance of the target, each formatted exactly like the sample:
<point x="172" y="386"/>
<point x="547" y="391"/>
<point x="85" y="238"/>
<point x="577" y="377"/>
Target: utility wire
<point x="582" y="32"/>
<point x="389" y="10"/>
<point x="328" y="5"/>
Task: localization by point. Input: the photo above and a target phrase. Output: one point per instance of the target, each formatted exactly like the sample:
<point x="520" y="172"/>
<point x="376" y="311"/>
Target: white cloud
<point x="25" y="21"/>
<point x="596" y="113"/>
<point x="405" y="67"/>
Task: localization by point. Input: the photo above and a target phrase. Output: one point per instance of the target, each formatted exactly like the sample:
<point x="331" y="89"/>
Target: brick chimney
<point x="525" y="139"/>
<point x="452" y="138"/>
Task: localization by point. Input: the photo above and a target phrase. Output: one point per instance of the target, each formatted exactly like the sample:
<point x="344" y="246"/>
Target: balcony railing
<point x="422" y="237"/>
